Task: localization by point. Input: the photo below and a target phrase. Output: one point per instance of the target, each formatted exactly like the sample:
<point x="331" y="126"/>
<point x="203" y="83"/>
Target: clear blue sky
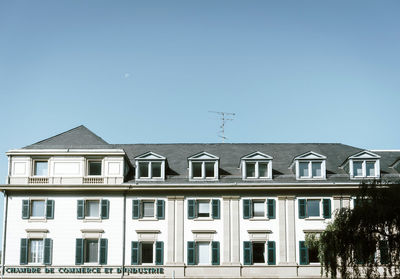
<point x="149" y="71"/>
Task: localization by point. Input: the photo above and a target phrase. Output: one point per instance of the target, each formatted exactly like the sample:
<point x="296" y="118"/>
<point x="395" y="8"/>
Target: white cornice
<point x="69" y="152"/>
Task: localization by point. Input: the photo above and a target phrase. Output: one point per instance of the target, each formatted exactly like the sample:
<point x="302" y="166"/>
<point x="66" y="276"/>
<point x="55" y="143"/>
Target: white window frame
<point x="310" y="176"/>
<point x="141" y="208"/>
<point x="85" y="251"/>
<point x="149" y="169"/>
<point x="203" y="170"/>
<point x="265" y="251"/>
<point x="364" y="168"/>
<point x="264" y="217"/>
<point x="29" y="251"/>
<point x="320" y="204"/>
<point x="209" y="253"/>
<point x="34" y="161"/>
<point x="44" y="210"/>
<point x="257" y="169"/>
<point x="92" y="217"/>
<point x="141" y="251"/>
<point x="88" y="161"/>
<point x="209" y="217"/>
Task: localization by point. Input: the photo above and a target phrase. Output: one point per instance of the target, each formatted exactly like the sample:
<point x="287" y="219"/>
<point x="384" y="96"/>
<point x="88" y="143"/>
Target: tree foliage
<point x="364" y="241"/>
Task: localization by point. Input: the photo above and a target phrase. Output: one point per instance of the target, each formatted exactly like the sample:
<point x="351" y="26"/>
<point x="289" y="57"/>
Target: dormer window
<point x="150" y="166"/>
<point x="256" y="165"/>
<point x="310" y="165"/>
<point x="364" y="165"/>
<point x="203" y="166"/>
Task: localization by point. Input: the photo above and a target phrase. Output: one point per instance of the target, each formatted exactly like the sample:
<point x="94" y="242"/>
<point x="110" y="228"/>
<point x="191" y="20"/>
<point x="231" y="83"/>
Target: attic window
<point x="256" y="166"/>
<point x="203" y="166"/>
<point x="150" y="166"/>
<point x="364" y="165"/>
<point x="310" y="165"/>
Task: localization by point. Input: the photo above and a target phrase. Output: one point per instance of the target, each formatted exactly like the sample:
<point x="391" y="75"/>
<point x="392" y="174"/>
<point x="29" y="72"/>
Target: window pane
<point x="92" y="209"/>
<point x="35" y="251"/>
<point x="258" y="252"/>
<point x="203" y="253"/>
<point x="370" y="168"/>
<point x="250" y="169"/>
<point x="143" y="169"/>
<point x="40" y="168"/>
<point x="196" y="169"/>
<point x="37" y="208"/>
<point x="357" y="169"/>
<point x="148" y="209"/>
<point x="313" y="255"/>
<point x="91" y="250"/>
<point x="204" y="209"/>
<point x="210" y="169"/>
<point x="263" y="169"/>
<point x="94" y="168"/>
<point x="156" y="169"/>
<point x="313" y="208"/>
<point x="258" y="209"/>
<point x="303" y="169"/>
<point x="147" y="252"/>
<point x="316" y="169"/>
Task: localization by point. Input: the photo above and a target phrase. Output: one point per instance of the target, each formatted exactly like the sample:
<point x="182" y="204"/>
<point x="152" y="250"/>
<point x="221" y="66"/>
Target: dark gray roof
<point x="229" y="155"/>
<point x="79" y="137"/>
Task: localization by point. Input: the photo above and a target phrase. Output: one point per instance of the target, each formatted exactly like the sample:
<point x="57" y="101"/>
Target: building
<point x="78" y="207"/>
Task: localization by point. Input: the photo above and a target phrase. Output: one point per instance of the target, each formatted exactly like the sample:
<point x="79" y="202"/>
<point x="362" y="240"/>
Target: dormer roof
<point x="203" y="156"/>
<point x="150" y="156"/>
<point x="257" y="156"/>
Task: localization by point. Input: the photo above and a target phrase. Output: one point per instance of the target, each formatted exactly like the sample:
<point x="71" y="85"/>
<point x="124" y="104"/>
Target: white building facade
<point x="78" y="207"/>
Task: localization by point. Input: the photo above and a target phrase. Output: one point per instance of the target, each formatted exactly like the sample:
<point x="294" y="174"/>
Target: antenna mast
<point x="225" y="116"/>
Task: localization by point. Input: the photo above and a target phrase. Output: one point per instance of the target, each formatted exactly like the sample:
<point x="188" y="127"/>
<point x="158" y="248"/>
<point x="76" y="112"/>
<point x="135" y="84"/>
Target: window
<point x="259" y="252"/>
<point x="147" y="253"/>
<point x="203" y="253"/>
<point x="148" y="209"/>
<point x="94" y="168"/>
<point x="93" y="209"/>
<point x="203" y="170"/>
<point x="255" y="208"/>
<point x="310" y="169"/>
<point x="40" y="168"/>
<point x="203" y="209"/>
<point x="38" y="209"/>
<point x="36" y="251"/>
<point x="91" y="250"/>
<point x="256" y="165"/>
<point x="311" y="208"/>
<point x="308" y="254"/>
<point x="364" y="169"/>
<point x="149" y="170"/>
<point x="256" y="170"/>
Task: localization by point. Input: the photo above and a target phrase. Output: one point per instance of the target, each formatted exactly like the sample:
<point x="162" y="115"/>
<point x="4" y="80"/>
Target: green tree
<point x="364" y="241"/>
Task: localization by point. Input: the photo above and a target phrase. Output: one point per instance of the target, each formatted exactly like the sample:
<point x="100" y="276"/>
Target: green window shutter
<point x="215" y="252"/>
<point x="79" y="251"/>
<point x="23" y="256"/>
<point x="215" y="209"/>
<point x="191" y="209"/>
<point x="103" y="250"/>
<point x="135" y="209"/>
<point x="25" y="209"/>
<point x="302" y="208"/>
<point x="271" y="252"/>
<point x="303" y="250"/>
<point x="191" y="254"/>
<point x="48" y="251"/>
<point x="160" y="209"/>
<point x="326" y="203"/>
<point x="247" y="253"/>
<point x="50" y="209"/>
<point x="384" y="251"/>
<point x="271" y="208"/>
<point x="81" y="209"/>
<point x="246" y="209"/>
<point x="105" y="209"/>
<point x="135" y="252"/>
<point x="159" y="253"/>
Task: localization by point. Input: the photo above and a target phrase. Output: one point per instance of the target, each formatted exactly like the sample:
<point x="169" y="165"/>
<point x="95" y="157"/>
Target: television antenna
<point x="225" y="116"/>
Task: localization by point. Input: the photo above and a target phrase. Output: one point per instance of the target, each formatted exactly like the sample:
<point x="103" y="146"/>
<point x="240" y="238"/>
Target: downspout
<point x="123" y="237"/>
<point x="5" y="210"/>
